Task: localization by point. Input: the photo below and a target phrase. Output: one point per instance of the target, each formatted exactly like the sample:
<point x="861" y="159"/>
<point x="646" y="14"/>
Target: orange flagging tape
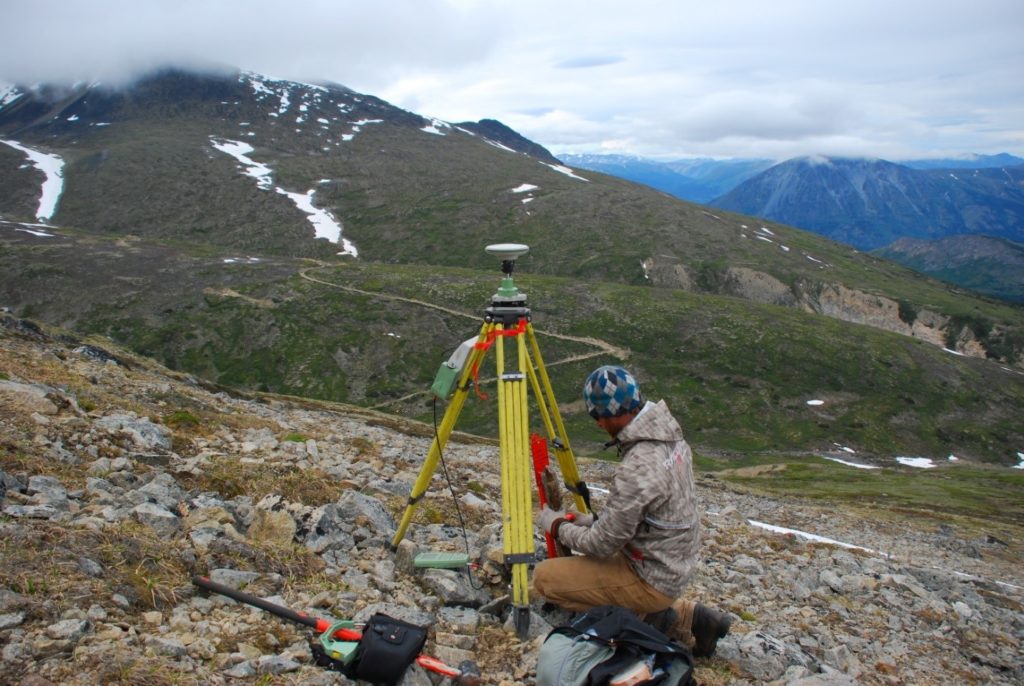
<point x="487" y="343"/>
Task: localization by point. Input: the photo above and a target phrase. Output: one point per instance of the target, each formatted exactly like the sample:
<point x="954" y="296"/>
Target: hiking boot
<point x="708" y="626"/>
<point x="663" y="621"/>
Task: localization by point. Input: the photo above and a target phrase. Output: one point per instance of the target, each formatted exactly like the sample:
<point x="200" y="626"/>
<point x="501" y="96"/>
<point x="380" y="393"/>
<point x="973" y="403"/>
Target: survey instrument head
<point x="508" y="253"/>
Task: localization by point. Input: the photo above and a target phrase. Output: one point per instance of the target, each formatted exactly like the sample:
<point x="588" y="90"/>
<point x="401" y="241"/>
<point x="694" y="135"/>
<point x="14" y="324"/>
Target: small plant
<point x="30" y="586"/>
<point x="907" y="313"/>
<point x="181" y="419"/>
<point x="295" y="438"/>
<point x="362" y="445"/>
<point x="433" y="516"/>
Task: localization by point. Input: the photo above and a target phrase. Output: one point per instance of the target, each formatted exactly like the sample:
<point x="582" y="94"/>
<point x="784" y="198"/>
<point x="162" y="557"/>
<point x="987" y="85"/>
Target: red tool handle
<point x="539" y="449"/>
<point x="435" y="665"/>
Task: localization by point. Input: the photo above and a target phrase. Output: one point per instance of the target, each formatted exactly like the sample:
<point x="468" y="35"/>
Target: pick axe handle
<point x="321" y="625"/>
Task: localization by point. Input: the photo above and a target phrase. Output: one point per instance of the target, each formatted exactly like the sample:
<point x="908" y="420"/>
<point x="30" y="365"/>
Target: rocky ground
<point x="120" y="481"/>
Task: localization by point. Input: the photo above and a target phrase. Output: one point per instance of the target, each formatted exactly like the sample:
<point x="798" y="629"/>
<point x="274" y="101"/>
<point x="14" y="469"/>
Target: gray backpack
<point x="605" y="642"/>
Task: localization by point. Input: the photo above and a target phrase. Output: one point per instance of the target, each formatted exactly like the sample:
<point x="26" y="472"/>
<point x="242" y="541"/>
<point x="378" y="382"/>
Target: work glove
<point x="581" y="519"/>
<point x="546" y="518"/>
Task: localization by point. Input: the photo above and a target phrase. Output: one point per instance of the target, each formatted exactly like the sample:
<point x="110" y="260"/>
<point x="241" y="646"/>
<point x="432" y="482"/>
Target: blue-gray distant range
<point x="870" y="204"/>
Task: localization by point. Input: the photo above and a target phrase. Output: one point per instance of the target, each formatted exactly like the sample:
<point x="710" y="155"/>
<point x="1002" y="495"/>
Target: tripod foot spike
<point x="521" y="621"/>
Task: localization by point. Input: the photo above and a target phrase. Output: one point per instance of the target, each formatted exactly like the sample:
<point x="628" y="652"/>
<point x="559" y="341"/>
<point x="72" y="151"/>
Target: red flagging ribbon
<point x="487" y="343"/>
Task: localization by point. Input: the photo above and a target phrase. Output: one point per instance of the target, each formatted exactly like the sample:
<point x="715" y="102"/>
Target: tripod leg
<point x="516" y="473"/>
<point x="451" y="415"/>
<point x="553" y="423"/>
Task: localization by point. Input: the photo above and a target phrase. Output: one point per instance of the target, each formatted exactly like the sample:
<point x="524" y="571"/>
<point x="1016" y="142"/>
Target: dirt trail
<point x="603" y="347"/>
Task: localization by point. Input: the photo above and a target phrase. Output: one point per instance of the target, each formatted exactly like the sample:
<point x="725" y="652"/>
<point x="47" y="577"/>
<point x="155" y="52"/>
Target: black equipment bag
<point x="602" y="642"/>
<point x="386" y="650"/>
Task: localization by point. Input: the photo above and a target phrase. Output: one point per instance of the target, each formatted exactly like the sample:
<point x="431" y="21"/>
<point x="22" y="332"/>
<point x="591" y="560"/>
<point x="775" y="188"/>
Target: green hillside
<point x="740" y="374"/>
<point x="164" y="244"/>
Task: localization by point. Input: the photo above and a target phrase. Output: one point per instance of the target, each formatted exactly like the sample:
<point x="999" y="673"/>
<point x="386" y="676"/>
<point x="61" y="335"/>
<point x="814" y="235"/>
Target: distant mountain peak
<point x="869" y="203"/>
<point x="494" y="130"/>
<point x="816" y="160"/>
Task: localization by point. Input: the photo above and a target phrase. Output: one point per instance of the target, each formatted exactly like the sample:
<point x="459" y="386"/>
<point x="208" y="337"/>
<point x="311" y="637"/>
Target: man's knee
<point x="542" y="578"/>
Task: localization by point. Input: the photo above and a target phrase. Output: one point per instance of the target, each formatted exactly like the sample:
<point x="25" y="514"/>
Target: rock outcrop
<point x="832" y="300"/>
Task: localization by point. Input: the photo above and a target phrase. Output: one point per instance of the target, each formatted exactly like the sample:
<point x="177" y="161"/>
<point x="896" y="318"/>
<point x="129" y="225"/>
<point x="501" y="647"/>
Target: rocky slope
<point x="120" y="480"/>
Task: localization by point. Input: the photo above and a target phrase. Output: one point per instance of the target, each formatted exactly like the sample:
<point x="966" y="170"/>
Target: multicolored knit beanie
<point x="610" y="392"/>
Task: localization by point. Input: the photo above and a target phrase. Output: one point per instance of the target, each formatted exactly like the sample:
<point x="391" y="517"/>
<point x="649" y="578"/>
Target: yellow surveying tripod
<point x="508" y="317"/>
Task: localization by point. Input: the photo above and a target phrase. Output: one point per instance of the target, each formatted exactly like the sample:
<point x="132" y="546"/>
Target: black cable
<point x="455" y="500"/>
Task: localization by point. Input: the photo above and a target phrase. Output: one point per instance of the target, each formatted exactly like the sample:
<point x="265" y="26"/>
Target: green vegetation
<point x="151" y="211"/>
<point x="738" y="374"/>
<point x="949" y="490"/>
<point x="181" y="419"/>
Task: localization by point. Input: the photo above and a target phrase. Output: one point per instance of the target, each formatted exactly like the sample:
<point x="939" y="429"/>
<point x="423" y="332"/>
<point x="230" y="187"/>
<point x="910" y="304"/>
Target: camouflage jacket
<point x="651" y="513"/>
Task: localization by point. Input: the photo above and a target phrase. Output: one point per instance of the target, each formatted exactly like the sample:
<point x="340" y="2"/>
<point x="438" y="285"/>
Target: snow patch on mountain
<point x="436" y="126"/>
<point x="357" y="125"/>
<point x="810" y="537"/>
<point x="562" y="169"/>
<point x="250" y="167"/>
<point x="52" y="167"/>
<point x="918" y="462"/>
<point x="8" y="94"/>
<point x="324" y="223"/>
<point x="857" y="465"/>
<point x="498" y="145"/>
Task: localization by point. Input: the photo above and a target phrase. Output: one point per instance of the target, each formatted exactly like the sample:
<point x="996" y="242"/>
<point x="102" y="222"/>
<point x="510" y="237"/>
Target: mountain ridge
<point x="978" y="214"/>
<point x="871" y="203"/>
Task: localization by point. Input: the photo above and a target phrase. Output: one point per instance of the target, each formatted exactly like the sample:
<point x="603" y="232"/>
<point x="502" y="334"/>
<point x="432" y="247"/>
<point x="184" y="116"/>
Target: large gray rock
<point x="27" y="398"/>
<point x="326" y="529"/>
<point x="764" y="657"/>
<point x="48" y="490"/>
<point x="144" y="434"/>
<point x="453" y="587"/>
<point x="162" y="489"/>
<point x="365" y="511"/>
<point x="159" y="518"/>
<point x="69" y="629"/>
<point x="233" y="578"/>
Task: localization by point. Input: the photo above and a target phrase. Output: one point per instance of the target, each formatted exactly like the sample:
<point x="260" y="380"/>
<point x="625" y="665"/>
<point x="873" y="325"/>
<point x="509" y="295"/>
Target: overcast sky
<point x="895" y="79"/>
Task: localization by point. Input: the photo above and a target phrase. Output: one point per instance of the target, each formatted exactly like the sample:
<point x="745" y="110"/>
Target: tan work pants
<point x="580" y="582"/>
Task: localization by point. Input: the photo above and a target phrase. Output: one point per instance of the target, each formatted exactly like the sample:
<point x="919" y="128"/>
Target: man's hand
<point x="581" y="519"/>
<point x="547" y="517"/>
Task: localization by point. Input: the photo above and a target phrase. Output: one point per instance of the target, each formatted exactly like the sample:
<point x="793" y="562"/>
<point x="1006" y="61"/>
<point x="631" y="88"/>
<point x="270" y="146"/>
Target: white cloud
<point x="733" y="78"/>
